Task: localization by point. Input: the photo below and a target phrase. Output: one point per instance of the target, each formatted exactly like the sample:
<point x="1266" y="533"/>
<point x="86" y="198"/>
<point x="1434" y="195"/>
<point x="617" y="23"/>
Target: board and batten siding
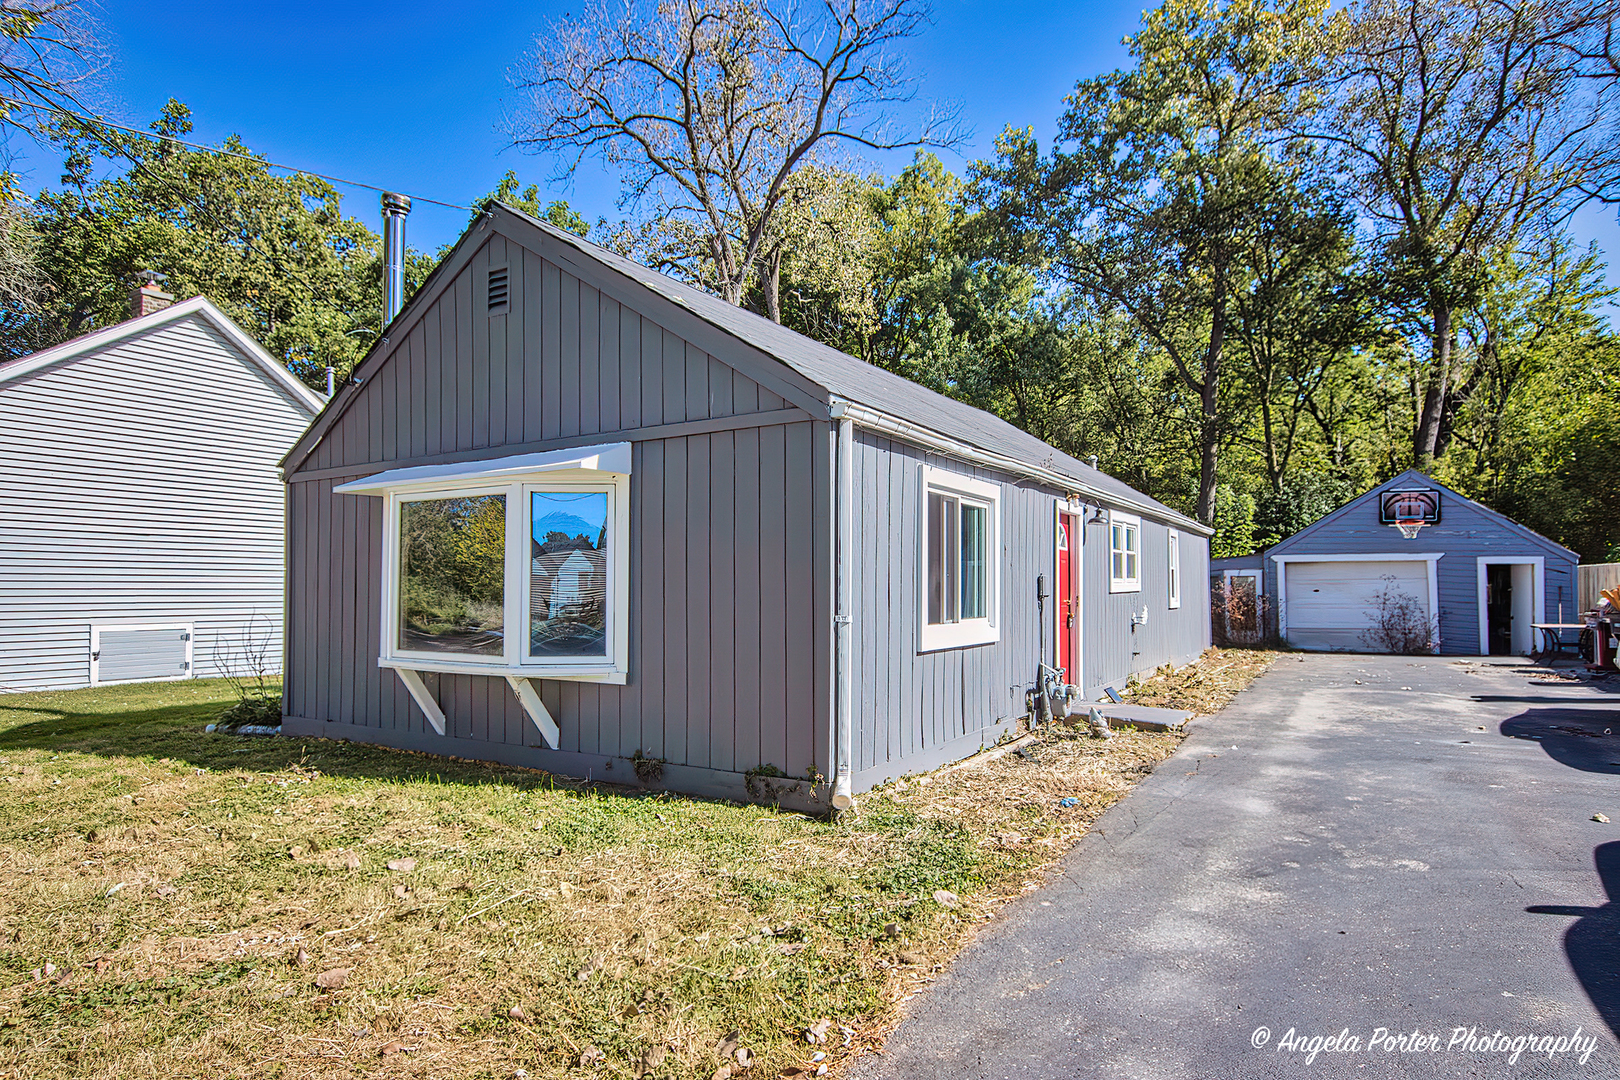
<point x="1466" y="532"/>
<point x="1114" y="648"/>
<point x="142" y="486"/>
<point x="566" y="361"/>
<point x="915" y="710"/>
<point x="729" y="569"/>
<point x="731" y="541"/>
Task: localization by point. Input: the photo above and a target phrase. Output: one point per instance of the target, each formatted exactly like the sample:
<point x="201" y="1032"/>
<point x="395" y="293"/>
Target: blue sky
<point x="403" y="96"/>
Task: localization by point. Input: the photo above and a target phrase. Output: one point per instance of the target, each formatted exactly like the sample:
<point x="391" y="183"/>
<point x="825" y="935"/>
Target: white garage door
<point x="1336" y="605"/>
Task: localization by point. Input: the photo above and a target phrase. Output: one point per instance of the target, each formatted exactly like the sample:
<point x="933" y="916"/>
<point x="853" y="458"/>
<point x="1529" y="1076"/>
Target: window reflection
<point x="452" y="566"/>
<point x="568" y="573"/>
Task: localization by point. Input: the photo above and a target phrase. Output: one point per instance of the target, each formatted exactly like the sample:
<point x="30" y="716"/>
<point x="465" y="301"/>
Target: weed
<point x="649" y="770"/>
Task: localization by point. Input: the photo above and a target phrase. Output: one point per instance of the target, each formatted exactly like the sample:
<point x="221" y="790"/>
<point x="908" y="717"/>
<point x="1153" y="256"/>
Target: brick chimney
<point x="148" y="296"/>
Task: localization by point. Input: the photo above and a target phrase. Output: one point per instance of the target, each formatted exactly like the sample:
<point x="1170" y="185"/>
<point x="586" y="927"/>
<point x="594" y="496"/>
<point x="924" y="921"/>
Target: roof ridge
<point x="973" y="421"/>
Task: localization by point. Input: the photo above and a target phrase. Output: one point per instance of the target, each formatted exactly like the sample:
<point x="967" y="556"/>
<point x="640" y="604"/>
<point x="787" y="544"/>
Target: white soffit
<point x="606" y="458"/>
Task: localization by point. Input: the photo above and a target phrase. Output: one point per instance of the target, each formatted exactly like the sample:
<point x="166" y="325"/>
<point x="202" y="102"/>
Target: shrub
<point x="1400" y="625"/>
<point x="252" y="709"/>
<point x="1240" y="619"/>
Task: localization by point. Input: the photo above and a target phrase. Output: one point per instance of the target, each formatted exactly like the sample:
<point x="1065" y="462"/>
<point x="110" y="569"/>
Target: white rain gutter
<point x="843" y="602"/>
<point x="874" y="420"/>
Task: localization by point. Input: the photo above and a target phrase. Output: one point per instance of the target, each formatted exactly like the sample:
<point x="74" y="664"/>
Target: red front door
<point x="1067" y="602"/>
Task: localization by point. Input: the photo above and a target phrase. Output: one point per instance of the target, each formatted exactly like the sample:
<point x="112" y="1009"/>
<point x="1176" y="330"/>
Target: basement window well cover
<point x="509" y="566"/>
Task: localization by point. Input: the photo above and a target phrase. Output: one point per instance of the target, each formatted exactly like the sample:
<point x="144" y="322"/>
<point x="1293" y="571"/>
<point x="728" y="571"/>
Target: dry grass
<point x="1206" y="686"/>
<point x="167" y="900"/>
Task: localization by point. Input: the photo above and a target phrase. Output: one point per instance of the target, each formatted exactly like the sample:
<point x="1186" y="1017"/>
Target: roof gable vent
<point x="498" y="294"/>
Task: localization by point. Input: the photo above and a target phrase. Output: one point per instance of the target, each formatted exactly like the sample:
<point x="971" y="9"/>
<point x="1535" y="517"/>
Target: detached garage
<point x="1410" y="566"/>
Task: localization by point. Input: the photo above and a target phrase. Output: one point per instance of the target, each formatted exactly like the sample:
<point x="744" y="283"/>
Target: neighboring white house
<point x="142" y="513"/>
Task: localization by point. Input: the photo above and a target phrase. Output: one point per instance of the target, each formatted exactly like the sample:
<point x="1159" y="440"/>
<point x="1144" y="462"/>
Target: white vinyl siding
<point x="142" y="485"/>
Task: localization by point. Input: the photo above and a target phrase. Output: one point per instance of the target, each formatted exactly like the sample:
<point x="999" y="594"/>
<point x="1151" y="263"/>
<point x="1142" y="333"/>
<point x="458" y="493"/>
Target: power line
<point x="154" y="136"/>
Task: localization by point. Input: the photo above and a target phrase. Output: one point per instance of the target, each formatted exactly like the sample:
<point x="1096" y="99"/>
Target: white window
<point x="1173" y="563"/>
<point x="959" y="579"/>
<point x="1124" y="553"/>
<point x="515" y="566"/>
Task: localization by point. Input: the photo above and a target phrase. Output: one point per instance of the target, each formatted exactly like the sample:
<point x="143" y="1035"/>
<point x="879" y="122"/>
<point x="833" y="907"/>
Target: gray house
<point x="571" y="513"/>
<point x="142" y="533"/>
<point x="1475" y="582"/>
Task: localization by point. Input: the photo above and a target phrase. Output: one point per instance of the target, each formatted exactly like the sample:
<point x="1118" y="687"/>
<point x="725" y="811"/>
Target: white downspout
<point x="843" y="602"/>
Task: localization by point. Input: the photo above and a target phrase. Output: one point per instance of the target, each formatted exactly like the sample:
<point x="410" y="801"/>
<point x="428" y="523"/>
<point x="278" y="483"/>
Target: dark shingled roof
<point x="847" y="377"/>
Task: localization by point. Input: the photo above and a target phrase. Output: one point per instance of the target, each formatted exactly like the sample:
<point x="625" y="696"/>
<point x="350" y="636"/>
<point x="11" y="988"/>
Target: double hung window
<point x="959" y="566"/>
<point x="1124" y="553"/>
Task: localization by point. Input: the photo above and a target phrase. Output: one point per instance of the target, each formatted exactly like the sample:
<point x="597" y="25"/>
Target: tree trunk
<point x="1426" y="439"/>
<point x="770" y="280"/>
<point x="1268" y="427"/>
<point x="1209" y="431"/>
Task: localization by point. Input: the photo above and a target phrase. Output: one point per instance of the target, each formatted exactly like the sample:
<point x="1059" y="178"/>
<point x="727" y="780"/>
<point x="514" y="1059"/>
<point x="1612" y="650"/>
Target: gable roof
<point x="825" y="372"/>
<point x="1413" y="476"/>
<point x="199" y="306"/>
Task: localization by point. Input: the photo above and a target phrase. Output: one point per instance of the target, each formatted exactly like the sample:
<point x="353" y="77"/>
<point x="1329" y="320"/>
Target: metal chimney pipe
<point x="394" y="209"/>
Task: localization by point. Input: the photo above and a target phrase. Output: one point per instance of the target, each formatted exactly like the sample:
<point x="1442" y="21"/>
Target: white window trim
<point x="933" y="637"/>
<point x="584" y="468"/>
<point x="1431" y="557"/>
<point x="95" y="650"/>
<point x="428" y="661"/>
<point x="1538" y="598"/>
<point x="1173" y="567"/>
<point x="1124" y="584"/>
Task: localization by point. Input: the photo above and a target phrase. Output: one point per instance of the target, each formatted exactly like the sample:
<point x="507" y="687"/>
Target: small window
<point x="1173" y="565"/>
<point x="1124" y="553"/>
<point x="498" y="293"/>
<point x="959" y="538"/>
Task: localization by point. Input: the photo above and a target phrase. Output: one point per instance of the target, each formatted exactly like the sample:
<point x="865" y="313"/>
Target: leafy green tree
<point x="1166" y="174"/>
<point x="557" y="211"/>
<point x="1302" y="499"/>
<point x="274" y="252"/>
<point x="22" y="285"/>
<point x="1234" y="524"/>
<point x="1466" y="130"/>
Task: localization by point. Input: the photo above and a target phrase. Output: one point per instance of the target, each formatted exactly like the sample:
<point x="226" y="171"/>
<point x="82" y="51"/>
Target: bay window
<point x="514" y="566"/>
<point x="958" y="565"/>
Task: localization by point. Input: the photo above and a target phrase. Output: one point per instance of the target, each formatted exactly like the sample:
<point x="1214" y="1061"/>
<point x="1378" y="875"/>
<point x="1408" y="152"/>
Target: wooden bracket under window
<point x="529" y="698"/>
<point x="424" y="700"/>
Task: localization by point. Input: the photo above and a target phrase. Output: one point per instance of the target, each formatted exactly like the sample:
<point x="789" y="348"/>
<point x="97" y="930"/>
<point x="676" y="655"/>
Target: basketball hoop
<point x="1410" y="527"/>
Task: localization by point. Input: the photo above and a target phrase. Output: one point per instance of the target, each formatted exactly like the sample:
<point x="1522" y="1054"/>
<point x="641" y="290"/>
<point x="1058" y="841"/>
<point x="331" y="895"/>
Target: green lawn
<point x="171" y="897"/>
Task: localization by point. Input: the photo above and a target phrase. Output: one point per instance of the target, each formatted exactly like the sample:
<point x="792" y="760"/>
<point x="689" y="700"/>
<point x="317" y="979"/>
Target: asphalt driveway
<point x="1357" y="843"/>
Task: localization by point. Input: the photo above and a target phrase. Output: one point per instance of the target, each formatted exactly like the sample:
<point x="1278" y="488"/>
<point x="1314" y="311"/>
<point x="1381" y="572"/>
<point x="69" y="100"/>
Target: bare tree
<point x="49" y="59"/>
<point x="22" y="285"/>
<point x="707" y="107"/>
<point x="1468" y="128"/>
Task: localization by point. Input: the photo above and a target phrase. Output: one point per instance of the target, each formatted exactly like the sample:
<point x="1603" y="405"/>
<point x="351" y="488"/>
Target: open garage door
<point x="1335" y="605"/>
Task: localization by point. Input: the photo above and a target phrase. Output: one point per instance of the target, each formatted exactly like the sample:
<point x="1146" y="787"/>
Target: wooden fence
<point x="1594" y="578"/>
